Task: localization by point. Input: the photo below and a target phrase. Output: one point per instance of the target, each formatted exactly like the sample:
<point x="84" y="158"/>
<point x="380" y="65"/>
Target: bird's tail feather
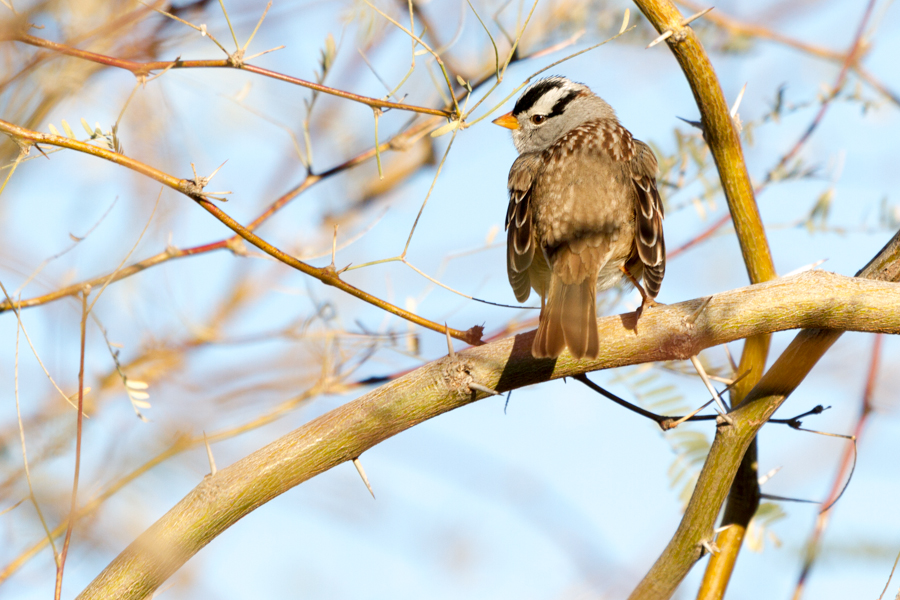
<point x="568" y="319"/>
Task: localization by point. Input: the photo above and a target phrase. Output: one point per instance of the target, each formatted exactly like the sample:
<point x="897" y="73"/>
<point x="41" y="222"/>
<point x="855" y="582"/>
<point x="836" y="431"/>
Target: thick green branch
<point x="667" y="332"/>
<point x="724" y="143"/>
<point x="732" y="441"/>
<point x="720" y="134"/>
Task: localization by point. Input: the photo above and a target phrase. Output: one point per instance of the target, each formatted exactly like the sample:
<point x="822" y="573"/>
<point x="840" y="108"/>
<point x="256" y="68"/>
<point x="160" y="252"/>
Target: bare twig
<point x="193" y="190"/>
<point x="144" y="69"/>
<point x="78" y="430"/>
<point x="835" y="89"/>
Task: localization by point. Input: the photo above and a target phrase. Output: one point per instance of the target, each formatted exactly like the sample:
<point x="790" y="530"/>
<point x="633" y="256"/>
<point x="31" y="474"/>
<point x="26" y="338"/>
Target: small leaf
<point x="445" y="129"/>
<point x="328" y="54"/>
<point x="492" y="234"/>
<point x="625" y="20"/>
<point x="137" y="395"/>
<point x="134" y="384"/>
<point x="53" y="129"/>
<point x="84" y="393"/>
<point x="69" y="133"/>
<point x="87" y="127"/>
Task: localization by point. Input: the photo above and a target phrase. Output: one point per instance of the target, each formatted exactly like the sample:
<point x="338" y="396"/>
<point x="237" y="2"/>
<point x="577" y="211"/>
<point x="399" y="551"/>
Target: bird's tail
<point x="568" y="319"/>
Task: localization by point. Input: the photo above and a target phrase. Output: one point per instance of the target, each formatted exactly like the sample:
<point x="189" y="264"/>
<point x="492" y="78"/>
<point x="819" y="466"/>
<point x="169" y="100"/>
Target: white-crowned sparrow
<point x="583" y="208"/>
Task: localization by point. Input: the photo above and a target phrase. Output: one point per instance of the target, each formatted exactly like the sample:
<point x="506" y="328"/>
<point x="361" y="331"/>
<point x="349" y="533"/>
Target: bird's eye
<point x="538" y="119"/>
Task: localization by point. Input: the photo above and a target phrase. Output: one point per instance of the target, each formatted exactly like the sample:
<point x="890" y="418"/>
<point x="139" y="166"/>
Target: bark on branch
<point x="732" y="441"/>
<point x="813" y="299"/>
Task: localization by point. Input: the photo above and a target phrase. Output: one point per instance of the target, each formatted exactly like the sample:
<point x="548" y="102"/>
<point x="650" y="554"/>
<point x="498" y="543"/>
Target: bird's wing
<point x="651" y="245"/>
<point x="520" y="245"/>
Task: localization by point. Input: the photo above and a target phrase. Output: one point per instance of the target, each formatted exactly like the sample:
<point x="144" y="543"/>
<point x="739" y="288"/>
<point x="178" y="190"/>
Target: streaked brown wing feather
<point x="520" y="246"/>
<point x="518" y="280"/>
<point x="649" y="240"/>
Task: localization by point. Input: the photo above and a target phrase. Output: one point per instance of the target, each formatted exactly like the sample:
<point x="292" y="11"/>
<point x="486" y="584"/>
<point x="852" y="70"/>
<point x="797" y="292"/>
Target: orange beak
<point x="507" y="120"/>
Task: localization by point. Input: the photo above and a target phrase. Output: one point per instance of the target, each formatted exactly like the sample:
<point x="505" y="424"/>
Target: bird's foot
<point x="646" y="300"/>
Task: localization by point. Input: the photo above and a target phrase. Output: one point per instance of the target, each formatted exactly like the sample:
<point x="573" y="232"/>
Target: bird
<point x="584" y="212"/>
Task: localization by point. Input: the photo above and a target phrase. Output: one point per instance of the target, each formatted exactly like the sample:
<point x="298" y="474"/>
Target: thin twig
<point x="835" y="89"/>
<point x="31" y="495"/>
<point x="78" y="430"/>
<point x="891" y="576"/>
<point x="195" y="192"/>
<point x="145" y="68"/>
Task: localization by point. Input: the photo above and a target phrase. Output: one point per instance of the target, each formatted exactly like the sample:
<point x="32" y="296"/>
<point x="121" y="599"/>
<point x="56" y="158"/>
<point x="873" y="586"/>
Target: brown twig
<point x="194" y="190"/>
<point x="750" y="30"/>
<point x="701" y="237"/>
<point x="144" y="69"/>
<point x="890" y="576"/>
<point x="735" y="26"/>
<point x="114" y="25"/>
<point x="60" y="566"/>
<point x="665" y="422"/>
<point x="223" y="244"/>
<point x="228" y="243"/>
<point x="850" y="58"/>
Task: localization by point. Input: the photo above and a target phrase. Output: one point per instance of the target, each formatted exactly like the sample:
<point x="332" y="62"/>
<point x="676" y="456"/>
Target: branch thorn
<point x="477" y="387"/>
<point x="334" y="247"/>
<point x="712" y="390"/>
<point x="696" y="124"/>
<point x="734" y="109"/>
<point x="362" y="473"/>
<point x="719" y="530"/>
<point x="737" y="102"/>
<point x="681" y="34"/>
<point x="666" y="35"/>
<point x="764" y="478"/>
<point x="710" y="546"/>
<point x="196" y="185"/>
<point x="692" y="318"/>
<point x="805" y="268"/>
<point x="676" y="423"/>
<point x="450" y="349"/>
<point x="695" y="16"/>
<point x="209" y="455"/>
